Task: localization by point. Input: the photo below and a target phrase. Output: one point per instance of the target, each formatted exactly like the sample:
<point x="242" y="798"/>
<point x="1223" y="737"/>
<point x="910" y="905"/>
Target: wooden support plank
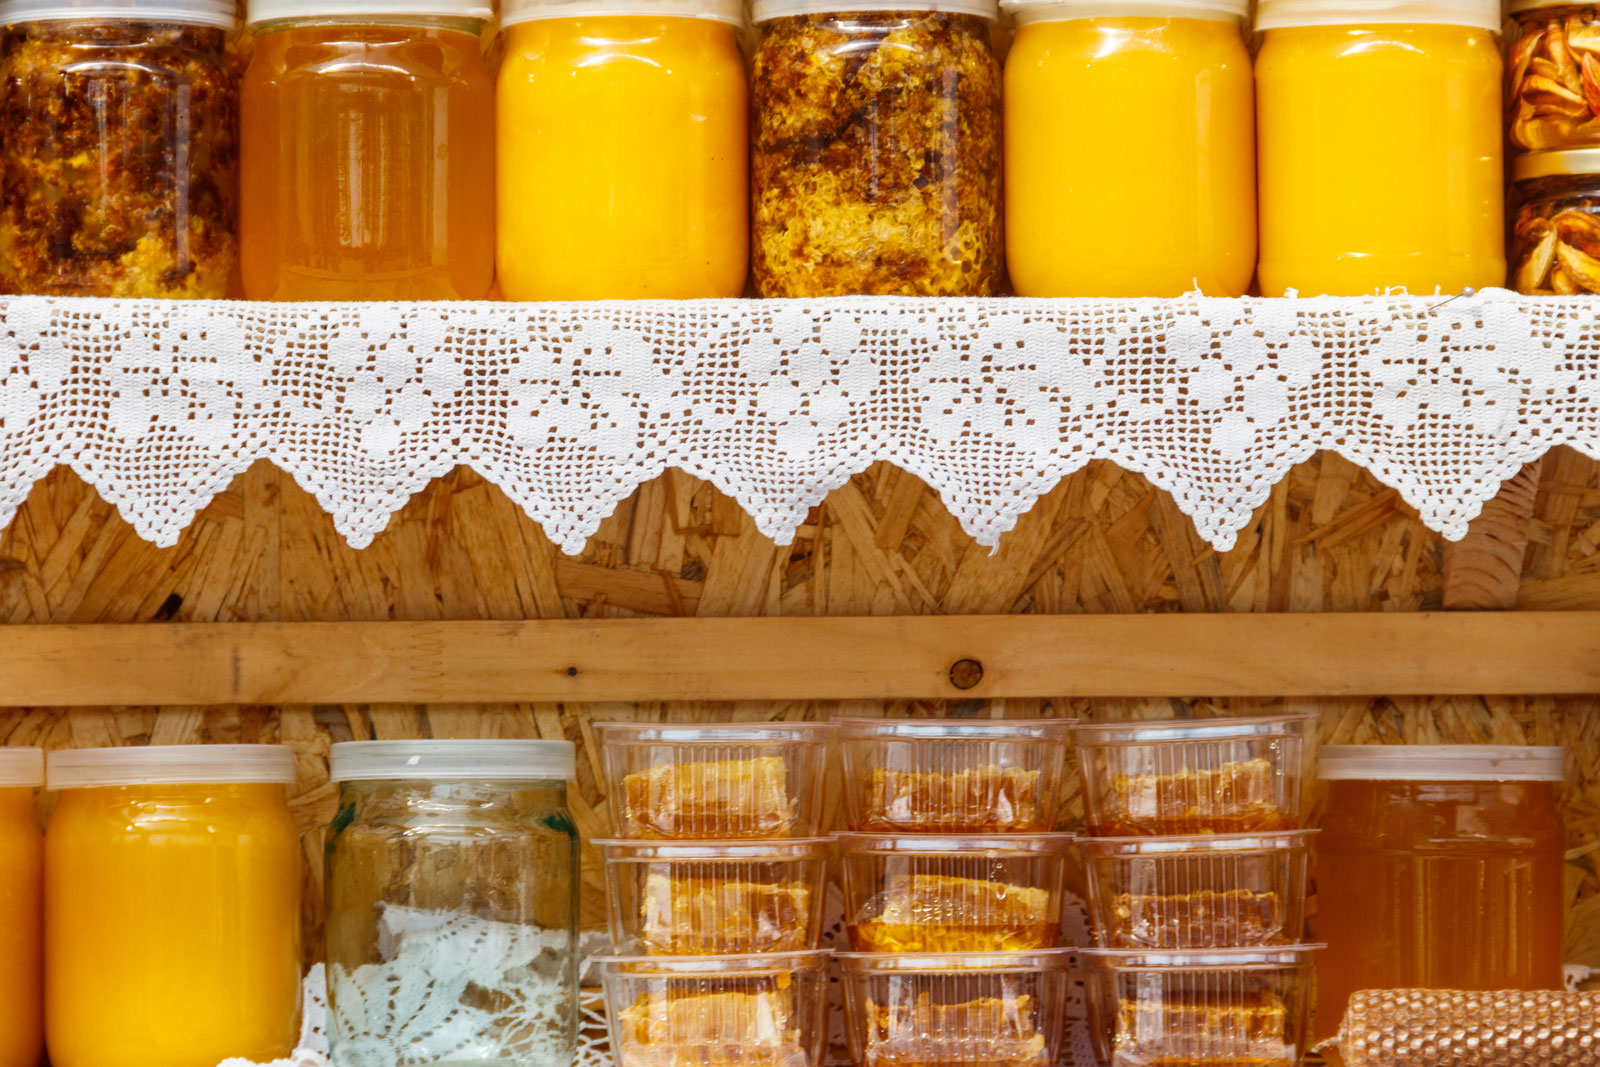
<point x="917" y="657"/>
<point x="1484" y="569"/>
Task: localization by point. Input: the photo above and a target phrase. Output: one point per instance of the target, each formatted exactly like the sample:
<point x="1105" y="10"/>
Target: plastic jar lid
<point x="220" y="13"/>
<point x="1442" y="763"/>
<point x="92" y="768"/>
<point x="513" y="12"/>
<point x="736" y="733"/>
<point x="1552" y="164"/>
<point x="1292" y="14"/>
<point x="1026" y="11"/>
<point x="1230" y="959"/>
<point x="752" y="850"/>
<point x="1197" y="844"/>
<point x="954" y="844"/>
<point x="484" y="761"/>
<point x="1162" y="731"/>
<point x="1042" y="959"/>
<point x="367" y="10"/>
<point x="765" y="10"/>
<point x="21" y="768"/>
<point x="953" y="729"/>
<point x="762" y="963"/>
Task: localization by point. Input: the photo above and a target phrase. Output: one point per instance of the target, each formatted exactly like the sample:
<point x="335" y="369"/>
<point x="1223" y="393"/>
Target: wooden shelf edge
<point x="918" y="657"/>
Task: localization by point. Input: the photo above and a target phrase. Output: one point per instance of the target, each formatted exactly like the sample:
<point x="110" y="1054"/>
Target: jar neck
<point x="481" y="801"/>
<point x="433" y="23"/>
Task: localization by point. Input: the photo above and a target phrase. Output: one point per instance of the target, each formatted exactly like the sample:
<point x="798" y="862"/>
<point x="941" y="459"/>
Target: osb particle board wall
<point x="1330" y="539"/>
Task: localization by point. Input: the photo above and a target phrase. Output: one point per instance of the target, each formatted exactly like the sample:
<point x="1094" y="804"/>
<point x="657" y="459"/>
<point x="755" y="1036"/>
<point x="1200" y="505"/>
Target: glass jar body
<point x="120" y="175"/>
<point x="876" y="156"/>
<point x="1130" y="158"/>
<point x="172" y="926"/>
<point x="1380" y="160"/>
<point x="623" y="159"/>
<point x="453" y="902"/>
<point x="1438" y="885"/>
<point x="1555" y="235"/>
<point x="368" y="163"/>
<point x="1553" y="77"/>
<point x="21" y="932"/>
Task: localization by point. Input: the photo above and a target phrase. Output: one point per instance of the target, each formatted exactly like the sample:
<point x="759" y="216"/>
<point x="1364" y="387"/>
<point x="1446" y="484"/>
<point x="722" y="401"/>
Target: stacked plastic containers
<point x="715" y="888"/>
<point x="1197" y="885"/>
<point x="953" y="891"/>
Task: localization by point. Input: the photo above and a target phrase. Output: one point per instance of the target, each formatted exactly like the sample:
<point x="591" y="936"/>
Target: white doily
<point x="453" y="988"/>
<point x="569" y="407"/>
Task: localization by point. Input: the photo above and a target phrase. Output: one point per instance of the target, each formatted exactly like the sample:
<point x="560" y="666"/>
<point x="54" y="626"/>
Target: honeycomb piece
<point x="985" y="1032"/>
<point x="1203" y="919"/>
<point x="1236" y="797"/>
<point x="940" y="913"/>
<point x="726" y="1029"/>
<point x="720" y="798"/>
<point x="984" y="800"/>
<point x="690" y="916"/>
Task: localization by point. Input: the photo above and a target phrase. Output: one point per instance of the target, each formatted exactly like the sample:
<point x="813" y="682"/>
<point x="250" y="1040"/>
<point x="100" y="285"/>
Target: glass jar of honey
<point x="21" y="909"/>
<point x="367" y="152"/>
<point x="172" y="906"/>
<point x="120" y="171"/>
<point x="1130" y="148"/>
<point x="1378" y="134"/>
<point x="623" y="128"/>
<point x="1440" y="867"/>
<point x="452" y="890"/>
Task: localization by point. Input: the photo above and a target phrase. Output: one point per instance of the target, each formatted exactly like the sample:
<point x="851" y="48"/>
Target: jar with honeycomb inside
<point x="875" y="149"/>
<point x="1379" y="142"/>
<point x="622" y="131"/>
<point x="1555" y="232"/>
<point x="1439" y="867"/>
<point x="367" y="147"/>
<point x="172" y="906"/>
<point x="21" y="909"/>
<point x="452" y="892"/>
<point x="1130" y="149"/>
<point x="120" y="172"/>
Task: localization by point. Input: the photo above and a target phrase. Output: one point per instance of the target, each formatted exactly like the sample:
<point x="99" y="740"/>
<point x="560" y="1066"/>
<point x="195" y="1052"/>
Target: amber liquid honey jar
<point x="1440" y="867"/>
<point x="21" y="909"/>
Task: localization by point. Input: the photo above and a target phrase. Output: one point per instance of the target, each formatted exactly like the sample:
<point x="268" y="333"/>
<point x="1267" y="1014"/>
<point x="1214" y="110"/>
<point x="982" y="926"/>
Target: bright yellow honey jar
<point x="21" y="909"/>
<point x="622" y="147"/>
<point x="1380" y="143"/>
<point x="172" y="907"/>
<point x="1130" y="149"/>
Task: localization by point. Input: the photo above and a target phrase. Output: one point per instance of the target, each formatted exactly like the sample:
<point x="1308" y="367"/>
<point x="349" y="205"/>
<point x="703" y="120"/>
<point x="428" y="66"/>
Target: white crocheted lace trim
<point x="570" y="407"/>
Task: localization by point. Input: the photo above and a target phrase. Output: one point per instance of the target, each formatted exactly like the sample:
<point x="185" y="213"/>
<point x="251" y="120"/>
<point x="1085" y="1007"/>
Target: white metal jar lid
<point x="223" y="14"/>
<point x="1442" y="763"/>
<point x="766" y="10"/>
<point x="21" y="768"/>
<point x="367" y="10"/>
<point x="1026" y="11"/>
<point x="92" y="768"/>
<point x="494" y="760"/>
<point x="513" y="12"/>
<point x="1291" y="14"/>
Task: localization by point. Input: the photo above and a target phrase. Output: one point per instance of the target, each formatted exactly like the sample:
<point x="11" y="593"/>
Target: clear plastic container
<point x="21" y="909"/>
<point x="953" y="893"/>
<point x="1192" y="776"/>
<point x="1378" y="127"/>
<point x="1003" y="1009"/>
<point x="367" y="148"/>
<point x="623" y="147"/>
<point x="1440" y="867"/>
<point x="121" y="170"/>
<point x="172" y="906"/>
<point x="687" y="898"/>
<point x="1553" y="74"/>
<point x="767" y="1010"/>
<point x="954" y="775"/>
<point x="1130" y="148"/>
<point x="875" y="149"/>
<point x="1207" y="891"/>
<point x="729" y="780"/>
<point x="1212" y="1008"/>
<point x="1555" y="236"/>
<point x="452" y="889"/>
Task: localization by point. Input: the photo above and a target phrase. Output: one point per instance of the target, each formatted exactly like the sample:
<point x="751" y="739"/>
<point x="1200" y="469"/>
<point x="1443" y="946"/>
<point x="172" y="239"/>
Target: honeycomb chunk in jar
<point x="984" y="1032"/>
<point x="1233" y="798"/>
<point x="875" y="152"/>
<point x="710" y="1030"/>
<point x="1222" y="917"/>
<point x="718" y="798"/>
<point x="120" y="175"/>
<point x="979" y="800"/>
<point x="1555" y="235"/>
<point x="940" y="913"/>
<point x="685" y="916"/>
<point x="1205" y="1032"/>
<point x="1553" y="75"/>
